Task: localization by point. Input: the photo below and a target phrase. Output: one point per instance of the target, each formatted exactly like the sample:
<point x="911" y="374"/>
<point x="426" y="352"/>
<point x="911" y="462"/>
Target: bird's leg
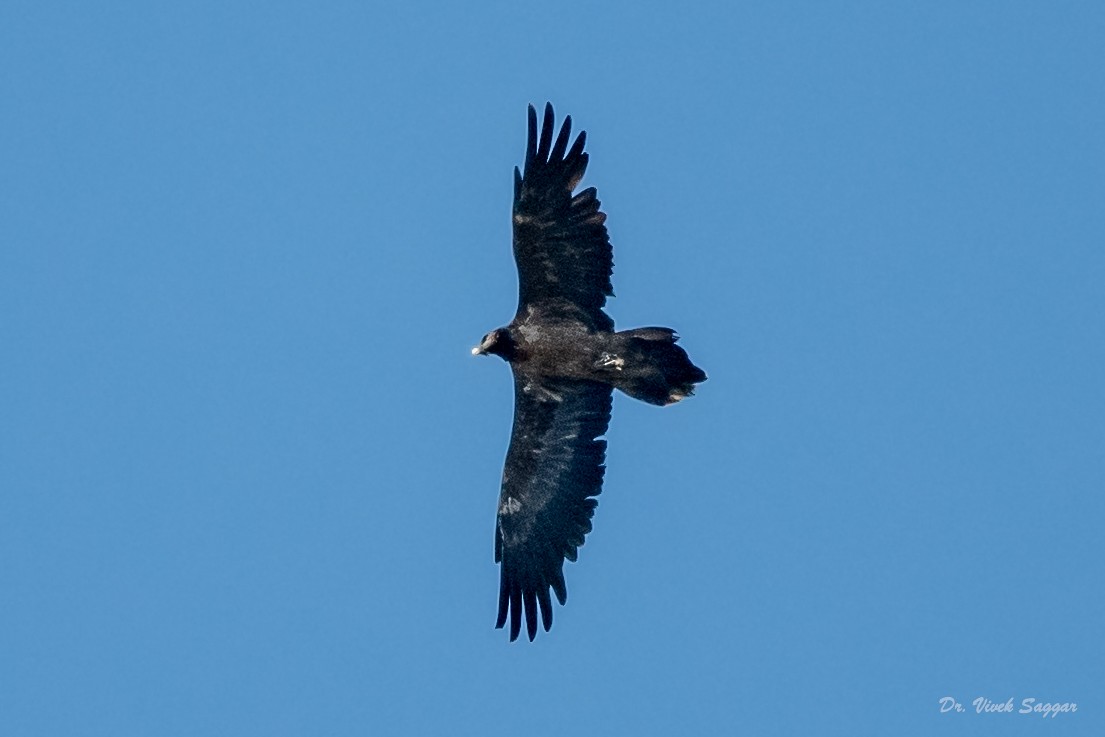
<point x="609" y="360"/>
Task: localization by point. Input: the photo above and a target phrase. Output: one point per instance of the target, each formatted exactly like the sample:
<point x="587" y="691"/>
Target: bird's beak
<point x="481" y="349"/>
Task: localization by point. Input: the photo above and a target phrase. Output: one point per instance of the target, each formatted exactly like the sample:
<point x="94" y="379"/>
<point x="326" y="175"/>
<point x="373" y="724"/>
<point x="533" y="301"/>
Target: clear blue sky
<point x="248" y="468"/>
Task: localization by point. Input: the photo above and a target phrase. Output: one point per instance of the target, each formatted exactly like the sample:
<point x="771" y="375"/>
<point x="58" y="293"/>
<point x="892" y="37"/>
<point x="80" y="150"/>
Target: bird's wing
<point x="553" y="471"/>
<point x="560" y="241"/>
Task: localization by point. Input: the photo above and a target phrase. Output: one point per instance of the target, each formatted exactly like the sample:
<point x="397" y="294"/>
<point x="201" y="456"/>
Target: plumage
<point x="560" y="241"/>
<point x="566" y="362"/>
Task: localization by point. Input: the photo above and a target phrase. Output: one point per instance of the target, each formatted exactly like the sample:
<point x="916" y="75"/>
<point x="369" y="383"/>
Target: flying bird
<point x="567" y="360"/>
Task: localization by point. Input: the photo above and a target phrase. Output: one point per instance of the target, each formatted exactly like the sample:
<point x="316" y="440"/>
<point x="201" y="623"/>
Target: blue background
<point x="248" y="468"/>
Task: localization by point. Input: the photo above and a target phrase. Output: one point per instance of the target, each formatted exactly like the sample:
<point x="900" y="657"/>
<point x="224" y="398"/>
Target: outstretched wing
<point x="553" y="471"/>
<point x="560" y="241"/>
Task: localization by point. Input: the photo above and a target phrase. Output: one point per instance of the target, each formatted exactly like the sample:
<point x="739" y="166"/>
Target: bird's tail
<point x="655" y="369"/>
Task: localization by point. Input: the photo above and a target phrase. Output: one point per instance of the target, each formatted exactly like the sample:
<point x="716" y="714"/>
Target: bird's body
<point x="567" y="360"/>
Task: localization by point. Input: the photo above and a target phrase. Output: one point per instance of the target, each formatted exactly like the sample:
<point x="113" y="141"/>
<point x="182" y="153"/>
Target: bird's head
<point x="497" y="343"/>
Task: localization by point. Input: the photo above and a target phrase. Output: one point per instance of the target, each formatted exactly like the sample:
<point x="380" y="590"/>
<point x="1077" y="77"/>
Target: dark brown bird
<point x="567" y="360"/>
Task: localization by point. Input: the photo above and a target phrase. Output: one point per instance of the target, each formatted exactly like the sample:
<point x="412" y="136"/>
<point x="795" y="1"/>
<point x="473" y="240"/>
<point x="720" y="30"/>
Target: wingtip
<point x="561" y="144"/>
<point x="531" y="138"/>
<point x="515" y="612"/>
<point x="545" y="142"/>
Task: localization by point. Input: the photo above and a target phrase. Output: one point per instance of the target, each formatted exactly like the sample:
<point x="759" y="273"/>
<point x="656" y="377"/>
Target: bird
<point x="566" y="360"/>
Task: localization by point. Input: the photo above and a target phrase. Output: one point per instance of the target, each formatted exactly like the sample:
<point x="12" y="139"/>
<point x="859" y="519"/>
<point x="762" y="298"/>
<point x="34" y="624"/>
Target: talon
<point x="608" y="360"/>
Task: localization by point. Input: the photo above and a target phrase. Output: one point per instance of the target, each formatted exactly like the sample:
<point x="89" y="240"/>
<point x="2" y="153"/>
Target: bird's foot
<point x="609" y="360"/>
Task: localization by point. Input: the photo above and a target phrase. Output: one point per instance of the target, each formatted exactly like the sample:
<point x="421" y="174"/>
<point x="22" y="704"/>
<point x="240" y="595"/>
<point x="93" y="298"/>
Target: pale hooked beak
<point x="487" y="342"/>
